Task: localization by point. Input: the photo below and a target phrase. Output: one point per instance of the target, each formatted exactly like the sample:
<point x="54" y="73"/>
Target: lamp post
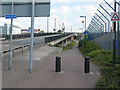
<point x="55" y="26"/>
<point x="82" y="35"/>
<point x="114" y="39"/>
<point x="47" y="25"/>
<point x="85" y="20"/>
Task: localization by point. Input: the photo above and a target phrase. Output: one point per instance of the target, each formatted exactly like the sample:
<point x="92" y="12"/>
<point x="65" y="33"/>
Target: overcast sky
<point x="65" y="11"/>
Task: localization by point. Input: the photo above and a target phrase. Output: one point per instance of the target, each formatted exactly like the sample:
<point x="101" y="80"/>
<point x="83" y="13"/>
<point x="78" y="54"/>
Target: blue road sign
<point x="10" y="16"/>
<point x="86" y="32"/>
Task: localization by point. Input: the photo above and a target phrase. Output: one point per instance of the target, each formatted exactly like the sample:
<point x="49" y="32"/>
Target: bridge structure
<point x="39" y="40"/>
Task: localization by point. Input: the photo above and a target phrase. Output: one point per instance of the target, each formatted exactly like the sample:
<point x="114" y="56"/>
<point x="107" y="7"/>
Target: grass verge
<point x="68" y="47"/>
<point x="110" y="75"/>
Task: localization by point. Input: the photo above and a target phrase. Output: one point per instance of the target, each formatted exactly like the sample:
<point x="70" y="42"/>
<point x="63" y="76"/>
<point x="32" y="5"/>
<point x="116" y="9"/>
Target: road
<point x="21" y="42"/>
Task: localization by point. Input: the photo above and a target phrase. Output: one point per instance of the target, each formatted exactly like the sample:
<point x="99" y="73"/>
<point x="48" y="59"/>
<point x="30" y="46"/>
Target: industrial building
<point x="5" y="29"/>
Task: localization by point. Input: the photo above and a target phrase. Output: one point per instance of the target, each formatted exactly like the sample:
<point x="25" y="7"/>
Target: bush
<point x="101" y="57"/>
<point x="86" y="46"/>
<point x="118" y="58"/>
<point x="110" y="75"/>
<point x="109" y="79"/>
<point x="78" y="36"/>
<point x="58" y="45"/>
<point x="69" y="46"/>
<point x="65" y="48"/>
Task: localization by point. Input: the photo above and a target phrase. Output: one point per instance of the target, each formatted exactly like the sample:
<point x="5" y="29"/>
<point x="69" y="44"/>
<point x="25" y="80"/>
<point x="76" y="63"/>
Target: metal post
<point x="98" y="28"/>
<point x="11" y="29"/>
<point x="59" y="25"/>
<point x="114" y="37"/>
<point x="58" y="64"/>
<point x="47" y="25"/>
<point x="55" y="25"/>
<point x="118" y="37"/>
<point x="119" y="32"/>
<point x="97" y="25"/>
<point x="32" y="36"/>
<point x="85" y="22"/>
<point x="108" y="45"/>
<point x="86" y="65"/>
<point x="105" y="27"/>
<point x="102" y="26"/>
<point x="102" y="43"/>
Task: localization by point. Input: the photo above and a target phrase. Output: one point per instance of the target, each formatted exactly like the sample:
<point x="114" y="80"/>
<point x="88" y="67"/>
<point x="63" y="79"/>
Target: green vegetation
<point x="42" y="31"/>
<point x="86" y="47"/>
<point x="77" y="37"/>
<point x="110" y="75"/>
<point x="59" y="31"/>
<point x="65" y="48"/>
<point x="69" y="46"/>
<point x="58" y="45"/>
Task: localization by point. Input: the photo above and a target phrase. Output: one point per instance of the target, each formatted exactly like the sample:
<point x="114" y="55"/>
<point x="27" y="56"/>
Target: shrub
<point x="101" y="57"/>
<point x="110" y="75"/>
<point x="65" y="48"/>
<point x="58" y="45"/>
<point x="69" y="46"/>
<point x="86" y="46"/>
<point x="109" y="79"/>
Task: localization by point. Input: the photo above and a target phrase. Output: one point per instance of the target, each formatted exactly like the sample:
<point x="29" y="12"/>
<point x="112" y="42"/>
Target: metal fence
<point x="100" y="28"/>
<point x="53" y="38"/>
<point x="21" y="36"/>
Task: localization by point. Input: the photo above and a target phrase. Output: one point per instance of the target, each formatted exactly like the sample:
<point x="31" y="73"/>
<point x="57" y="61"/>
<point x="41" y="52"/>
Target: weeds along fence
<point x="105" y="41"/>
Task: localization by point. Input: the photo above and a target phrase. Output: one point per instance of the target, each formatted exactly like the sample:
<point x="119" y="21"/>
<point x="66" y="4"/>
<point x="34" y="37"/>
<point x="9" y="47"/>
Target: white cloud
<point x="64" y="12"/>
<point x="64" y="9"/>
<point x="68" y="1"/>
<point x="90" y="9"/>
<point x="61" y="10"/>
<point x="77" y="8"/>
<point x="62" y="1"/>
<point x="54" y="11"/>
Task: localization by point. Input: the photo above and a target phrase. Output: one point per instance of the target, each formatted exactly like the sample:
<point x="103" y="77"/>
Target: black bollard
<point x="58" y="64"/>
<point x="87" y="65"/>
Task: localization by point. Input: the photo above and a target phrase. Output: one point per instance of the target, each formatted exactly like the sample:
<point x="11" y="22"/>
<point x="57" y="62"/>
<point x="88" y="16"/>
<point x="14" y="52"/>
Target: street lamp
<point x="85" y="20"/>
<point x="54" y="26"/>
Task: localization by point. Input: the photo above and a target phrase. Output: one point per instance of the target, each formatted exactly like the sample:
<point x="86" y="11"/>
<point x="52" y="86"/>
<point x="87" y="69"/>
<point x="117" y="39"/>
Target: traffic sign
<point x="10" y="16"/>
<point x="114" y="16"/>
<point x="23" y="9"/>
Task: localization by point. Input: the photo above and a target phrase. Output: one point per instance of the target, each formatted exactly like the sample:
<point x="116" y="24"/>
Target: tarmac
<point x="43" y="74"/>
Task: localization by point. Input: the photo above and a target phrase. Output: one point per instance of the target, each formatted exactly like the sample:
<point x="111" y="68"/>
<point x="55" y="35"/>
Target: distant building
<point x="1" y="30"/>
<point x="6" y="29"/>
<point x="29" y="30"/>
<point x="24" y="31"/>
<point x="63" y="28"/>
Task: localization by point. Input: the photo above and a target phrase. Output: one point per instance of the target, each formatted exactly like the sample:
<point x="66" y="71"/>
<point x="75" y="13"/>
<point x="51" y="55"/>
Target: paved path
<point x="43" y="75"/>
